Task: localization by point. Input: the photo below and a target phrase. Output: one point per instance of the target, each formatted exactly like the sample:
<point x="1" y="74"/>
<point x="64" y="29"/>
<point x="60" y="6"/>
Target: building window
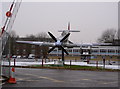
<point x="95" y="51"/>
<point x="111" y="51"/>
<point x="17" y="50"/>
<point x="24" y="50"/>
<point x="103" y="50"/>
<point x="69" y="50"/>
<point x="117" y="51"/>
<point x="75" y="50"/>
<point x="33" y="51"/>
<point x="33" y="46"/>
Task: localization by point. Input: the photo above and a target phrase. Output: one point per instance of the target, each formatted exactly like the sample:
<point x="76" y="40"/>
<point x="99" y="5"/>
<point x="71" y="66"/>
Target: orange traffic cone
<point x="12" y="76"/>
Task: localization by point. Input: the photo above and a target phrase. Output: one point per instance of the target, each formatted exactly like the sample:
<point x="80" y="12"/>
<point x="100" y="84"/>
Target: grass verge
<point x="74" y="67"/>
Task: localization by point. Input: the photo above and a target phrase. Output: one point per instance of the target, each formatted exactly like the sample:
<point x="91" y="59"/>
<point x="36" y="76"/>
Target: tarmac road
<point x="27" y="77"/>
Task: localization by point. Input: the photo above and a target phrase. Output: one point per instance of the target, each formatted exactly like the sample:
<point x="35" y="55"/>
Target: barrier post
<point x="103" y="63"/>
<point x="42" y="62"/>
<point x="70" y="63"/>
<point x="87" y="61"/>
<point x="14" y="62"/>
<point x="54" y="62"/>
<point x="97" y="64"/>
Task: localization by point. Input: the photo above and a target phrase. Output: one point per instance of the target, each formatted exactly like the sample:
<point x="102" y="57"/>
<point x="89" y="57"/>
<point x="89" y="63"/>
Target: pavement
<point x="2" y="81"/>
<point x="27" y="77"/>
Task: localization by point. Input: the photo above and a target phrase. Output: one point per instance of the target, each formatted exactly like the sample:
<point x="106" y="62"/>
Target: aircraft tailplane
<point x="69" y="30"/>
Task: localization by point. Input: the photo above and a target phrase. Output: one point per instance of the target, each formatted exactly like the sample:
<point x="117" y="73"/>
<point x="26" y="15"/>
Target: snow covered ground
<point x="68" y="63"/>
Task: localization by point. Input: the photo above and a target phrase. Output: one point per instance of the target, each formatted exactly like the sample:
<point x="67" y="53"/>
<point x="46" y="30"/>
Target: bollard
<point x="54" y="62"/>
<point x="103" y="63"/>
<point x="48" y="60"/>
<point x="70" y="63"/>
<point x="87" y="61"/>
<point x="97" y="64"/>
<point x="45" y="60"/>
<point x="42" y="62"/>
<point x="14" y="62"/>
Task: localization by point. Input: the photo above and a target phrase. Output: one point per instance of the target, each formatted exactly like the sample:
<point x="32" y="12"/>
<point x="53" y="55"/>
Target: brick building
<point x="25" y="49"/>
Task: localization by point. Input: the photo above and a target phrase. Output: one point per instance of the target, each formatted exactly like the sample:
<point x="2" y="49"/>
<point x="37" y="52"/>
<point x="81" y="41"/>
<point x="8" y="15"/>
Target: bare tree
<point x="30" y="36"/>
<point x="11" y="42"/>
<point x="13" y="34"/>
<point x="42" y="36"/>
<point x="107" y="36"/>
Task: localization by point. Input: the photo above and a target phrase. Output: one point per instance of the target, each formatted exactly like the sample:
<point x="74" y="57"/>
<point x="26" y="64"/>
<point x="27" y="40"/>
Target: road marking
<point x="2" y="83"/>
<point x="25" y="79"/>
<point x="85" y="79"/>
<point x="109" y="82"/>
<point x="32" y="80"/>
<point x="48" y="78"/>
<point x="44" y="77"/>
<point x="105" y="83"/>
<point x="20" y="79"/>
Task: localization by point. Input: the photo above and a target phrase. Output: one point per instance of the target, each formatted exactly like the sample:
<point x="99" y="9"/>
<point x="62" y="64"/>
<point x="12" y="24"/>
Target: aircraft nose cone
<point x="58" y="43"/>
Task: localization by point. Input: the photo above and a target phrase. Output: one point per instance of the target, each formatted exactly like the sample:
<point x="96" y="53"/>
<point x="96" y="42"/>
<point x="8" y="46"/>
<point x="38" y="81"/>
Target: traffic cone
<point x="12" y="76"/>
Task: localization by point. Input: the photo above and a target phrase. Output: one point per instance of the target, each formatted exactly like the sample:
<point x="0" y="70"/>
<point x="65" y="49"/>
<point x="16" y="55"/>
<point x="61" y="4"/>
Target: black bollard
<point x="42" y="62"/>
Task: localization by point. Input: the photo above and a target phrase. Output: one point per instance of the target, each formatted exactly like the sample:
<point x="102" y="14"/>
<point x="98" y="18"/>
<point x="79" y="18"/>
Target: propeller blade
<point x="52" y="36"/>
<point x="68" y="25"/>
<point x="51" y="49"/>
<point x="65" y="37"/>
<point x="64" y="50"/>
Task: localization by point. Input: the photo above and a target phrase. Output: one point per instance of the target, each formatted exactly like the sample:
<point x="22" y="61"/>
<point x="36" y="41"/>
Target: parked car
<point x="31" y="56"/>
<point x="14" y="56"/>
<point x="18" y="56"/>
<point x="24" y="56"/>
<point x="4" y="56"/>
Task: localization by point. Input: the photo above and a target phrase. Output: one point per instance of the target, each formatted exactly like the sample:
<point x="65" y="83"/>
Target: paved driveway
<point x="27" y="77"/>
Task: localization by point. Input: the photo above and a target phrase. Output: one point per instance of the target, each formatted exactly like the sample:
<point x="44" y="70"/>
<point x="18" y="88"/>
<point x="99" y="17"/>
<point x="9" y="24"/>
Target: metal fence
<point x="0" y="73"/>
<point x="6" y="67"/>
<point x="5" y="58"/>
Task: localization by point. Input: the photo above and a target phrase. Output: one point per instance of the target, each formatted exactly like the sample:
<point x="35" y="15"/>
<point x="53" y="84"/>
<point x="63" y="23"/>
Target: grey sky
<point x="91" y="18"/>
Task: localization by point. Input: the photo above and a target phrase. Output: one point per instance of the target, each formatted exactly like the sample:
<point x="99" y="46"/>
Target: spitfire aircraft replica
<point x="60" y="42"/>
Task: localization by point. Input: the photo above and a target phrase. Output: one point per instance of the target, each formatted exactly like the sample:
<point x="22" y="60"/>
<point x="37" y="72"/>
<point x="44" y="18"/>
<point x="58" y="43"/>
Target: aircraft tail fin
<point x="69" y="29"/>
<point x="69" y="26"/>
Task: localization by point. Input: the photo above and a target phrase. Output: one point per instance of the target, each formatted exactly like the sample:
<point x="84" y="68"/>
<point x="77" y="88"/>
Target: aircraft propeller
<point x="58" y="43"/>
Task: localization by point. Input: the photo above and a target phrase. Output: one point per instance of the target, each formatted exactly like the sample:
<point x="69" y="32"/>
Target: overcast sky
<point x="91" y="18"/>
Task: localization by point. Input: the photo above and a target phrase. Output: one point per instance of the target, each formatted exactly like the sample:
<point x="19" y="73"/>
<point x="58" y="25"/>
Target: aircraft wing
<point x="37" y="43"/>
<point x="65" y="44"/>
<point x="87" y="44"/>
<point x="76" y="45"/>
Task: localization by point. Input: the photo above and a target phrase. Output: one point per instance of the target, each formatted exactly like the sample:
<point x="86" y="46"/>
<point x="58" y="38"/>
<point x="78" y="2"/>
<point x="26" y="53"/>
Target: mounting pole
<point x="63" y="57"/>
